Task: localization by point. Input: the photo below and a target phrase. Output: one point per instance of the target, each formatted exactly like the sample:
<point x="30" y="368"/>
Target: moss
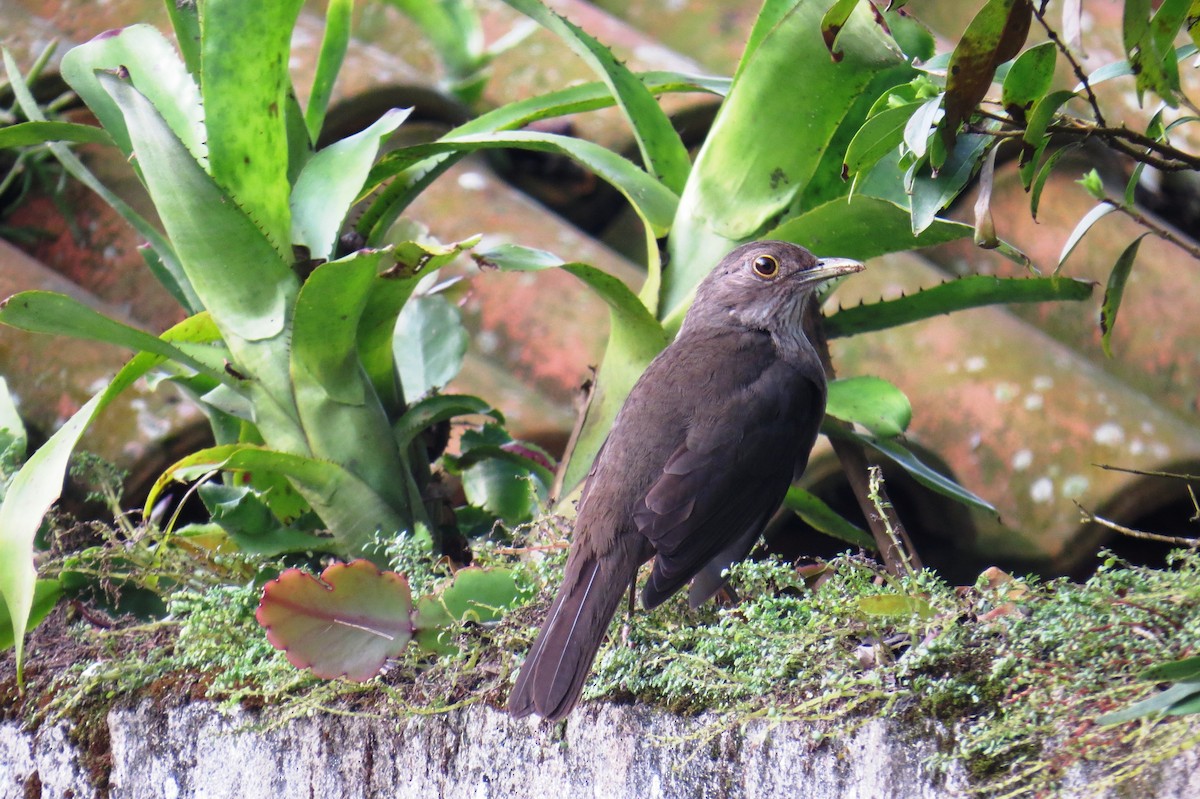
<point x="1010" y="676"/>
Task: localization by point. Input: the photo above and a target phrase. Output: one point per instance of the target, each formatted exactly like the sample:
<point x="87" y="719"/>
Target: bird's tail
<point x="561" y="658"/>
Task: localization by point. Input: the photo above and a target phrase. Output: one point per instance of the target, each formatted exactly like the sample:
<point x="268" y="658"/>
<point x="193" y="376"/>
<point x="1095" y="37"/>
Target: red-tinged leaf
<point x="1113" y="292"/>
<point x="345" y="624"/>
<point x="995" y="35"/>
<point x="833" y="22"/>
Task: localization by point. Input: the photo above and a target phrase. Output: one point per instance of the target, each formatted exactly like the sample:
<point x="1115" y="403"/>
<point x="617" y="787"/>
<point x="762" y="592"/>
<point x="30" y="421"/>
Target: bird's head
<point x="765" y="285"/>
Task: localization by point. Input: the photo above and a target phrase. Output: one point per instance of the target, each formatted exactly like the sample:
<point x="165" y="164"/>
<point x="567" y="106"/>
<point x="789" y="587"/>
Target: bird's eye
<point x="765" y="266"/>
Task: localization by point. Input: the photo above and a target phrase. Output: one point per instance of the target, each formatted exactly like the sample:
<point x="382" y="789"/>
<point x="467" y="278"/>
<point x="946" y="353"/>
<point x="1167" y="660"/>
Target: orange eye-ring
<point x="765" y="266"/>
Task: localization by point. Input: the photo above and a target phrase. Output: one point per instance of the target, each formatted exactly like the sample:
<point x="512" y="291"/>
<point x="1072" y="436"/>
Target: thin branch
<point x="1122" y="139"/>
<point x="1191" y="248"/>
<point x="1089" y="517"/>
<point x="1075" y="67"/>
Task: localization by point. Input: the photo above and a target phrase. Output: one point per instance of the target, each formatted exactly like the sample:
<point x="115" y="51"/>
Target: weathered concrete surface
<point x="604" y="751"/>
<point x="41" y="765"/>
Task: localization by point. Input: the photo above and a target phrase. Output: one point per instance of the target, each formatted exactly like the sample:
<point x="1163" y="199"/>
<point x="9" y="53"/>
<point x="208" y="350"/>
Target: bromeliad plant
<point x="288" y="345"/>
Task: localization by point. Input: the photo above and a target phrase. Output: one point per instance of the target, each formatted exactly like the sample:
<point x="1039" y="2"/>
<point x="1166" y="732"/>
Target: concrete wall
<point x="605" y="751"/>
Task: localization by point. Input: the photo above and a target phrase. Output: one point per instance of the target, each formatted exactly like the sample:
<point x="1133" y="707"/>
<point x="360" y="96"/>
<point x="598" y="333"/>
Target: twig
<point x="1089" y="517"/>
<point x="1075" y="67"/>
<point x="884" y="508"/>
<point x="1163" y="233"/>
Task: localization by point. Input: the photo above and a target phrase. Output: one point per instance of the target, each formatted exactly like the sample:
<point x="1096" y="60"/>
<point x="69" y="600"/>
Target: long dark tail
<point x="561" y="658"/>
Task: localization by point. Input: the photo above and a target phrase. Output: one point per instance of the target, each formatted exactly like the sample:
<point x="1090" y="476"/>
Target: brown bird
<point x="697" y="461"/>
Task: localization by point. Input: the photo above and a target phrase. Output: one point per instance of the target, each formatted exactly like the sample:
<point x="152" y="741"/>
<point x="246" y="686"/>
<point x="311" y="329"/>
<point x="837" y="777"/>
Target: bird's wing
<point x="729" y="475"/>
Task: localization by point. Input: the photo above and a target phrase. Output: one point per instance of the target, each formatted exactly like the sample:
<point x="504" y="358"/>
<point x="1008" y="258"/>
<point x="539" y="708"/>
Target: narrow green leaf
<point x="235" y="271"/>
<point x="1092" y="217"/>
<point x="1043" y="174"/>
<point x="1174" y="671"/>
<point x="653" y="201"/>
<point x="903" y="457"/>
<point x="13" y="438"/>
<point x="355" y="513"/>
<point x="1120" y="69"/>
<point x="1160" y="702"/>
<point x="25" y="134"/>
<point x="178" y="286"/>
<point x="46" y="594"/>
<point x="185" y="20"/>
<point x="1114" y="291"/>
<point x="825" y="519"/>
<point x="410" y="182"/>
<point x="334" y="44"/>
<point x="1132" y="184"/>
<point x="1135" y="23"/>
<point x="245" y="85"/>
<point x="920" y="124"/>
<point x="973" y="291"/>
<point x="662" y="149"/>
<point x="58" y="314"/>
<point x="33" y="490"/>
<point x="871" y="402"/>
<point x="1043" y="112"/>
<point x="330" y="182"/>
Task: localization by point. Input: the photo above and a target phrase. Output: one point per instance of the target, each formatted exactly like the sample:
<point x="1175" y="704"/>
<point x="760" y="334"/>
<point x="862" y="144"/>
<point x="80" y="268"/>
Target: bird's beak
<point x="829" y="268"/>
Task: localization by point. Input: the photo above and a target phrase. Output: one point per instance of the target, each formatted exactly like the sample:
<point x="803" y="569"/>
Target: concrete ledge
<point x="604" y="751"/>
